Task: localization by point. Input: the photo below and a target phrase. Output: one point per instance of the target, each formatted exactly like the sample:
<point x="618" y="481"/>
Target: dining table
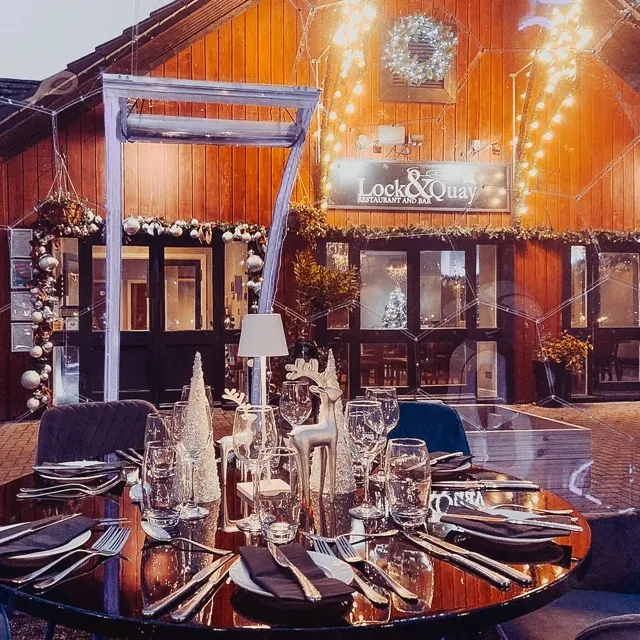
<point x="107" y="598"/>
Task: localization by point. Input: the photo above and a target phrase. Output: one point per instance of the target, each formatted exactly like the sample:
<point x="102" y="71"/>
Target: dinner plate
<point x="333" y="567"/>
<point x="38" y="558"/>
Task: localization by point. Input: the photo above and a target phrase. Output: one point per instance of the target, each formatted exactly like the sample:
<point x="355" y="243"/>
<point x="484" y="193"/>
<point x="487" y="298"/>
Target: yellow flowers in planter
<point x="565" y="349"/>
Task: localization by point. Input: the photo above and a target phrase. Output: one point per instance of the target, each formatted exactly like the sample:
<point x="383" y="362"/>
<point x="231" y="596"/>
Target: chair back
<point x="438" y="425"/>
<point x="616" y="628"/>
<point x="5" y="630"/>
<point x="91" y="429"/>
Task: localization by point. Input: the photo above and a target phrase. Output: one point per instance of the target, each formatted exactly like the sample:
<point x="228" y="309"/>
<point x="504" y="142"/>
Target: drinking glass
<point x="254" y="429"/>
<point x="160" y="494"/>
<point x="279" y="493"/>
<point x="157" y="428"/>
<point x="408" y="481"/>
<point x="366" y="427"/>
<point x="194" y="437"/>
<point x="295" y="401"/>
<point x="184" y="396"/>
<point x="388" y="399"/>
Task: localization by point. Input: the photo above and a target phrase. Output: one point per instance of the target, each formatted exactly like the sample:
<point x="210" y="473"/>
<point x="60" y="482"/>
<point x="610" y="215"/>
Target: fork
<point x="349" y="554"/>
<point x="521" y="507"/>
<point x="112" y="547"/>
<point x="97" y="547"/>
<point x="70" y="488"/>
<point x="322" y="546"/>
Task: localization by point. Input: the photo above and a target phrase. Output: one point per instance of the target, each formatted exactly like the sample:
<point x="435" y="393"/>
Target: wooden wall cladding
<point x="590" y="177"/>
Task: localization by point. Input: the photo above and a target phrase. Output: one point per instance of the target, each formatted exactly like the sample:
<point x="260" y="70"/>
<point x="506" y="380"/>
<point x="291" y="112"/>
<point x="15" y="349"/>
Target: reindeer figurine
<point x="324" y="434"/>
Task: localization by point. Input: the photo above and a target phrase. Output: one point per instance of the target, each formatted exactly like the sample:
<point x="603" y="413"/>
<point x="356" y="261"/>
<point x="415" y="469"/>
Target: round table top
<point x="108" y="600"/>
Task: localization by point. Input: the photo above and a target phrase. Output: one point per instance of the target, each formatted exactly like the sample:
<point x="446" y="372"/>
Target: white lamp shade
<point x="262" y="334"/>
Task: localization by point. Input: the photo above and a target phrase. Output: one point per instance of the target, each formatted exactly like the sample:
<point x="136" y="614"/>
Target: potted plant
<point x="556" y="359"/>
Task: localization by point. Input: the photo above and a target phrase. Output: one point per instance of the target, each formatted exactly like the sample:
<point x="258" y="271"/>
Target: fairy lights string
<point x="343" y="82"/>
<point x="557" y="70"/>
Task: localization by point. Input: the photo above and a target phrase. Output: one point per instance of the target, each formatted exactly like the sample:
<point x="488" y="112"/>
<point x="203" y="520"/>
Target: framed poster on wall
<point x="20" y="243"/>
<point x="21" y="306"/>
<point x="21" y="273"/>
<point x="21" y="336"/>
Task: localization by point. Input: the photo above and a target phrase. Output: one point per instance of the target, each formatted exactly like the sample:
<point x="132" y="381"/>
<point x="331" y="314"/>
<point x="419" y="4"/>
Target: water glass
<point x="295" y="401"/>
<point x="388" y="399"/>
<point x="160" y="486"/>
<point x="186" y="390"/>
<point x="157" y="429"/>
<point x="254" y="430"/>
<point x="279" y="493"/>
<point x="408" y="481"/>
<point x="194" y="437"/>
<point x="366" y="427"/>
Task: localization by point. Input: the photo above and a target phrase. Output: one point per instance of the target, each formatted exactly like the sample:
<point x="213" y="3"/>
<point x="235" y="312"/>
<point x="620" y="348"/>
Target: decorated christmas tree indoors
<point x="395" y="312"/>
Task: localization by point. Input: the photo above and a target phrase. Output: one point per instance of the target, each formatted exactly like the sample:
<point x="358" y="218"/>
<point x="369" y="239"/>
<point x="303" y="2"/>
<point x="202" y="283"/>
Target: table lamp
<point x="262" y="336"/>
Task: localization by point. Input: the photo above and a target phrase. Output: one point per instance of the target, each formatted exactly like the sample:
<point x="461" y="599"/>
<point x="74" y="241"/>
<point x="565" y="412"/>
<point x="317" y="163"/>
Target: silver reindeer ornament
<point x="322" y="435"/>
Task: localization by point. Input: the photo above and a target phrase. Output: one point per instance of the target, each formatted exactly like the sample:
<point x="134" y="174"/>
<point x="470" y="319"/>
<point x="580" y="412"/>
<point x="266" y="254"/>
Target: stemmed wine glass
<point x="388" y="399"/>
<point x="366" y="427"/>
<point x="295" y="401"/>
<point x="254" y="429"/>
<point x="193" y="442"/>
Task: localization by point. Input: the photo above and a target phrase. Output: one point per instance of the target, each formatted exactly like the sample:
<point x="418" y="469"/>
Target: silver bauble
<point x="33" y="404"/>
<point x="93" y="228"/>
<point x="227" y="236"/>
<point x="47" y="262"/>
<point x="194" y="222"/>
<point x="47" y="368"/>
<point x="36" y="351"/>
<point x="237" y="233"/>
<point x="47" y="346"/>
<point x="37" y="303"/>
<point x="251" y="284"/>
<point x="37" y="317"/>
<point x="35" y="291"/>
<point x="42" y="250"/>
<point x="30" y="379"/>
<point x="194" y="233"/>
<point x="246" y="237"/>
<point x="257" y="288"/>
<point x="89" y="216"/>
<point x="175" y="231"/>
<point x="45" y="400"/>
<point x="151" y="230"/>
<point x="131" y="226"/>
<point x="44" y="376"/>
<point x="145" y="227"/>
<point x="254" y="263"/>
<point x="257" y="235"/>
<point x="98" y="219"/>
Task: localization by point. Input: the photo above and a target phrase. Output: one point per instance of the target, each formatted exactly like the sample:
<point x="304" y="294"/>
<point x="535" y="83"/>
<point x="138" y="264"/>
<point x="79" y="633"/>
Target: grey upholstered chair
<point x="91" y="429"/>
<point x="611" y="587"/>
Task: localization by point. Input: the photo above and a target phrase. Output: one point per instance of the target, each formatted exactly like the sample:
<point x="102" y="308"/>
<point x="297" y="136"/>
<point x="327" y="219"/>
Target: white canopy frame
<point x="121" y="127"/>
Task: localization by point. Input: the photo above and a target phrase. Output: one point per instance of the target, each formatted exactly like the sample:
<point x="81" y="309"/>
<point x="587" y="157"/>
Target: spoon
<point x="353" y="534"/>
<point x="156" y="532"/>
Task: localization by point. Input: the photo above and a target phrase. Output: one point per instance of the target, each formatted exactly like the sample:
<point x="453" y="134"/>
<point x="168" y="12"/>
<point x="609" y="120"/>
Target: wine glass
<point x="366" y="427"/>
<point x="160" y="497"/>
<point x="254" y="429"/>
<point x="295" y="401"/>
<point x="194" y="439"/>
<point x="157" y="428"/>
<point x="186" y="390"/>
<point x="388" y="399"/>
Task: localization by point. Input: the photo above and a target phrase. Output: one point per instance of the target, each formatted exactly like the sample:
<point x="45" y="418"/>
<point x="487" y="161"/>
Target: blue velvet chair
<point x="611" y="587"/>
<point x="91" y="429"/>
<point x="5" y="631"/>
<point x="437" y="424"/>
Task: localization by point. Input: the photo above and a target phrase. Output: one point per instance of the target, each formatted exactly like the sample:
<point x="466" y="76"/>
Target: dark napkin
<point x="70" y="472"/>
<point x="447" y="466"/>
<point x="54" y="536"/>
<point x="268" y="574"/>
<point x="503" y="529"/>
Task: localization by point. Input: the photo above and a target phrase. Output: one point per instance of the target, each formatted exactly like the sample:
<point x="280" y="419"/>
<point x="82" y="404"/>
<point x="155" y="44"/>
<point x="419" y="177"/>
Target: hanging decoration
<point x="401" y="53"/>
<point x="552" y="82"/>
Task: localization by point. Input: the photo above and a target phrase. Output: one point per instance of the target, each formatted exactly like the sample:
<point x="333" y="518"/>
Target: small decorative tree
<point x="395" y="312"/>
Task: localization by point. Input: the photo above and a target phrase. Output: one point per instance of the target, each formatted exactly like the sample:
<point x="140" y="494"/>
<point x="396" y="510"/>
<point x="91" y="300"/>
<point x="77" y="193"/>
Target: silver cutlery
<point x="205" y="593"/>
<point x="74" y="488"/>
<point x="487" y="485"/>
<point x="175" y="596"/>
<point x="520" y="507"/>
<point x="69" y="468"/>
<point x="437" y="552"/>
<point x="158" y="533"/>
<point x="112" y="547"/>
<point x="135" y="454"/>
<point x="322" y="546"/>
<point x="36" y="526"/>
<point x="353" y="534"/>
<point x="508" y="571"/>
<point x="446" y="456"/>
<point x="516" y="521"/>
<point x="350" y="555"/>
<point x="128" y="458"/>
<point x="310" y="592"/>
<point x="101" y="543"/>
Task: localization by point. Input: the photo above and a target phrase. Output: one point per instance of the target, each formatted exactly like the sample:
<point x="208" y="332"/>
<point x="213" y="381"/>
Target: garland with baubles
<point x="64" y="214"/>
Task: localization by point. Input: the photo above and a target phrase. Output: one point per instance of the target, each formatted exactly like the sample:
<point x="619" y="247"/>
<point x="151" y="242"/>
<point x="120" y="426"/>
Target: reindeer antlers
<point x="302" y="369"/>
<point x="237" y="397"/>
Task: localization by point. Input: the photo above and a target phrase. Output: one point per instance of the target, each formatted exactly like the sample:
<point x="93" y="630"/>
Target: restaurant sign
<point x="421" y="186"/>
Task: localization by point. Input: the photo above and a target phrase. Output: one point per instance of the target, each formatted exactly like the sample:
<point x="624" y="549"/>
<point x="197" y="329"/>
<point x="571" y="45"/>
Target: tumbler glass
<point x="408" y="481"/>
<point x="160" y="490"/>
<point x="279" y="493"/>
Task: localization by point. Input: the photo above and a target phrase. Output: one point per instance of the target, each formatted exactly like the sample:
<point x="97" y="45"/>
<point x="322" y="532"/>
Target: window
<point x="487" y="285"/>
<point x="383" y="365"/>
<point x="578" y="287"/>
<point x="384" y="289"/>
<point x="619" y="290"/>
<point x="443" y="289"/>
<point x="337" y="255"/>
<point x="235" y="284"/>
<point x="443" y="364"/>
<point x="69" y="306"/>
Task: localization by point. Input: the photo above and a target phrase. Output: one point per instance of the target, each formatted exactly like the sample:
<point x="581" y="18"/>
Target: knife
<point x="488" y="485"/>
<point x="128" y="458"/>
<point x="514" y="574"/>
<point x="201" y="577"/>
<point x="36" y="526"/>
<point x="495" y="578"/>
<point x="446" y="456"/>
<point x="516" y="521"/>
<point x="186" y="610"/>
<point x="309" y="590"/>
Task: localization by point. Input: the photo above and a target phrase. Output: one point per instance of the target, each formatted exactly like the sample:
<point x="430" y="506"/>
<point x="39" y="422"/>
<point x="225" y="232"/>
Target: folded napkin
<point x="268" y="574"/>
<point x="504" y="529"/>
<point x="447" y="466"/>
<point x="69" y="470"/>
<point x="54" y="536"/>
